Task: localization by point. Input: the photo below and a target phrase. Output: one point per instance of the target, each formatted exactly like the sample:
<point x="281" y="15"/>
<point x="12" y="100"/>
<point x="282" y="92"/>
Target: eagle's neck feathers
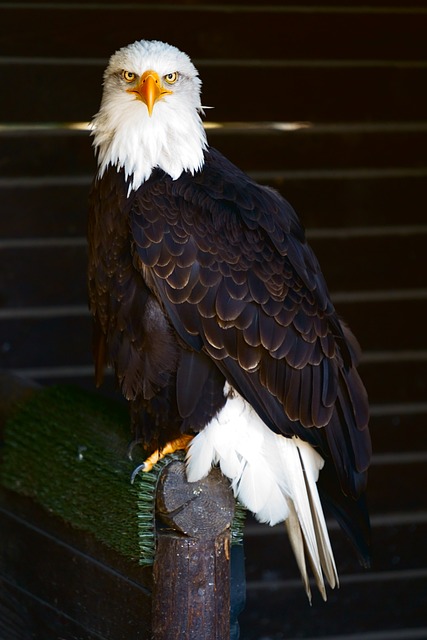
<point x="126" y="137"/>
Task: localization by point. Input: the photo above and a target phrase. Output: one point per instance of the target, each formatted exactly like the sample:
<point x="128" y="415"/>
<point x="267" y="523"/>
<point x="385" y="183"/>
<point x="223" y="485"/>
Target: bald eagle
<point x="213" y="311"/>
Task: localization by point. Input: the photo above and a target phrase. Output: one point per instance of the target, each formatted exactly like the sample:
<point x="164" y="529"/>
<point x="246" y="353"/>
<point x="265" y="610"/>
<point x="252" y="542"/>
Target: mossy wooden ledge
<point x="69" y="546"/>
<point x="66" y="449"/>
<point x="75" y="532"/>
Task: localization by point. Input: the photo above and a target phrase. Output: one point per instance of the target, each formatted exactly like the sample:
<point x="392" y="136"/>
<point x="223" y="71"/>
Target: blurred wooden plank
<point x="379" y="325"/>
<point x="25" y="617"/>
<point x="82" y="376"/>
<point x="372" y="263"/>
<point x="43" y="209"/>
<point x="325" y="147"/>
<point x="59" y="152"/>
<point x="272" y="34"/>
<point x="29" y="277"/>
<point x="50" y="152"/>
<point x="396" y="380"/>
<point x="50" y="341"/>
<point x="345" y="200"/>
<point x="363" y="608"/>
<point x="63" y="578"/>
<point x="313" y="6"/>
<point x="399" y="432"/>
<point x="398" y="487"/>
<point x="311" y="92"/>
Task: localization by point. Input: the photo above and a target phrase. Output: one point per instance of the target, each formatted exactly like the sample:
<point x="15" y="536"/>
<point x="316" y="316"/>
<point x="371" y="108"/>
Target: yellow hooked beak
<point x="150" y="89"/>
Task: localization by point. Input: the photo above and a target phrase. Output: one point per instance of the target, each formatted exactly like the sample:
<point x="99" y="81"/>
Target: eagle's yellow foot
<point x="174" y="445"/>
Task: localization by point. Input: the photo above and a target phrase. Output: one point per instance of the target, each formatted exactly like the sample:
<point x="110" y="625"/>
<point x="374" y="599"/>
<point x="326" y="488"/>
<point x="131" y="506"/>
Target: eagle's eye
<point x="128" y="76"/>
<point x="171" y="78"/>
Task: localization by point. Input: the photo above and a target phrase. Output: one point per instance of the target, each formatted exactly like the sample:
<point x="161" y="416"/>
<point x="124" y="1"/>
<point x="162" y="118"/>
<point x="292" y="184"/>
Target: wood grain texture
<point x="191" y="573"/>
<point x="201" y="509"/>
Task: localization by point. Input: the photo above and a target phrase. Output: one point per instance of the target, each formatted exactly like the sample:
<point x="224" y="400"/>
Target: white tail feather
<point x="297" y="543"/>
<point x="273" y="476"/>
<point x="324" y="548"/>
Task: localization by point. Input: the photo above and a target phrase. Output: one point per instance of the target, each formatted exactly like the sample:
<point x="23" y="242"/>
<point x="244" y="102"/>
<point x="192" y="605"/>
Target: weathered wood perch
<point x="69" y="530"/>
<point x="191" y="593"/>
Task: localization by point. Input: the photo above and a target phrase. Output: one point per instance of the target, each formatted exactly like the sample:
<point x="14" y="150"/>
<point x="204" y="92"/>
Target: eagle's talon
<point x="140" y="467"/>
<point x="135" y="443"/>
<point x="174" y="445"/>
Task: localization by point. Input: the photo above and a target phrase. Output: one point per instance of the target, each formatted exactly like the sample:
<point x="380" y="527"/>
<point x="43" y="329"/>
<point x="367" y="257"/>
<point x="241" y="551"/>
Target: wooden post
<point x="191" y="593"/>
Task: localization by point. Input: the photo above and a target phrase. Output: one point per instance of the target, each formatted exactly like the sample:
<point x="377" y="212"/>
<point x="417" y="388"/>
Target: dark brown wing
<point x="229" y="262"/>
<point x="170" y="389"/>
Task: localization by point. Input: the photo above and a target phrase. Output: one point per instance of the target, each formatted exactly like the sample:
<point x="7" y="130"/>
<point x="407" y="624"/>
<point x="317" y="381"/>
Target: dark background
<point x="356" y="172"/>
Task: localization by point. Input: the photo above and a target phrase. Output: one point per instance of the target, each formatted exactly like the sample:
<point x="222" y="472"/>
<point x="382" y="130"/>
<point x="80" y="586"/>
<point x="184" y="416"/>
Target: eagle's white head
<point x="150" y="113"/>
